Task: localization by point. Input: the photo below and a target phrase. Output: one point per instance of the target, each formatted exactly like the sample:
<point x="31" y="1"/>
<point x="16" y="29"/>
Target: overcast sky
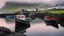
<point x="52" y="2"/>
<point x="2" y="2"/>
<point x="35" y="1"/>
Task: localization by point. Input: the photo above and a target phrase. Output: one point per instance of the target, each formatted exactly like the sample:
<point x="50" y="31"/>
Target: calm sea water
<point x="38" y="28"/>
<point x="8" y="23"/>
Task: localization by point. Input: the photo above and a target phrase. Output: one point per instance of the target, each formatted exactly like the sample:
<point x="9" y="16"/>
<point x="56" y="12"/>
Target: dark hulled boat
<point x="21" y="23"/>
<point x="51" y="21"/>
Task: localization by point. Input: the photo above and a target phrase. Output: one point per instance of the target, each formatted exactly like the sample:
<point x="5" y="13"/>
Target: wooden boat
<point x="21" y="23"/>
<point x="51" y="21"/>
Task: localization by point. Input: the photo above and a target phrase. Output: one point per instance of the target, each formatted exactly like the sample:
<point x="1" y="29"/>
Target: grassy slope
<point x="56" y="11"/>
<point x="17" y="8"/>
<point x="14" y="9"/>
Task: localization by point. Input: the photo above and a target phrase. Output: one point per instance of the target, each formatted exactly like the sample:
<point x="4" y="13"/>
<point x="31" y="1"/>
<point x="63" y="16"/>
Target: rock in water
<point x="5" y="30"/>
<point x="2" y="34"/>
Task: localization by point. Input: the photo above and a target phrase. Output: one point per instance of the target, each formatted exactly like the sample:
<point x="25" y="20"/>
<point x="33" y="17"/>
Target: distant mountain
<point x="14" y="6"/>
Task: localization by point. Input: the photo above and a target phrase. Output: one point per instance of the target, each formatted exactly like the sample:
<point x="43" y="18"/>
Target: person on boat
<point x="32" y="16"/>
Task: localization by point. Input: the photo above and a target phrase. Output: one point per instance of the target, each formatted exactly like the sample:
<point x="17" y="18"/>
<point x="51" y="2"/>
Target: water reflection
<point x="4" y="23"/>
<point x="54" y="24"/>
<point x="10" y="20"/>
<point x="41" y="29"/>
<point x="61" y="21"/>
<point x="9" y="24"/>
<point x="20" y="34"/>
<point x="36" y="29"/>
<point x="54" y="21"/>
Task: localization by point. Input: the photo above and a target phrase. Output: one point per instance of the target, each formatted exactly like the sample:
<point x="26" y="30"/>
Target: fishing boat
<point x="32" y="16"/>
<point x="21" y="23"/>
<point x="52" y="21"/>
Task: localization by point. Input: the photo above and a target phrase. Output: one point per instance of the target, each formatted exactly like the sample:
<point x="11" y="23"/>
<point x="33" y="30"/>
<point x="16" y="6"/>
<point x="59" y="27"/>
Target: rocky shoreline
<point x="7" y="32"/>
<point x="16" y="34"/>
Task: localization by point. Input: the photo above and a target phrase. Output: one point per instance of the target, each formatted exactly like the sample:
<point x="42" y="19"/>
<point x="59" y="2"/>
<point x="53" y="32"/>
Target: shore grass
<point x="56" y="11"/>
